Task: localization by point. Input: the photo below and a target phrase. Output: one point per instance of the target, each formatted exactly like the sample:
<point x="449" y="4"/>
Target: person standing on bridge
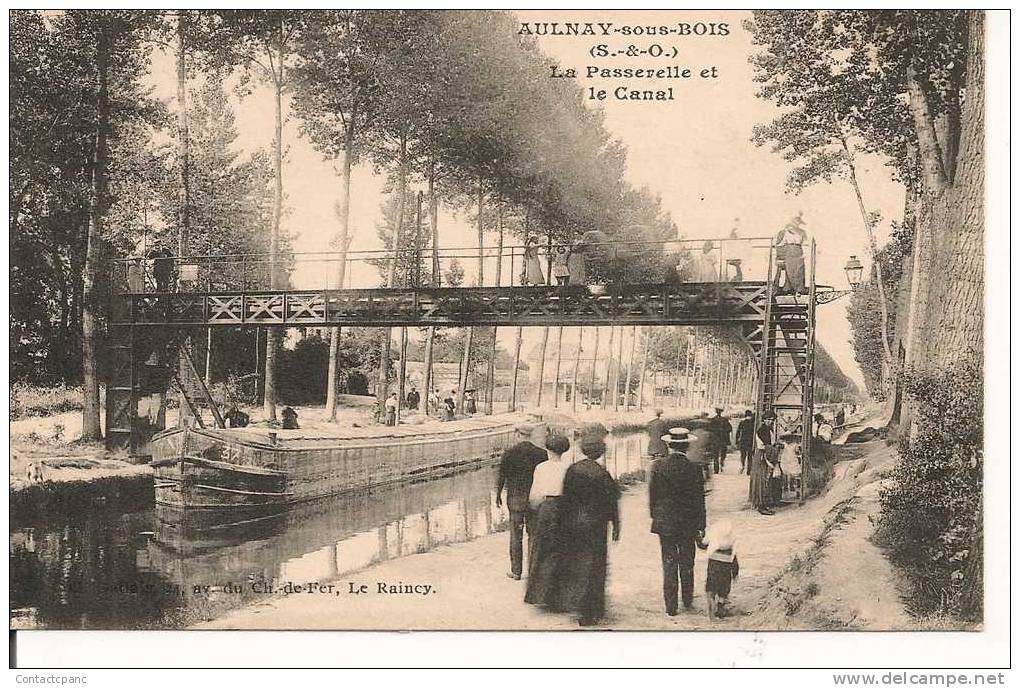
<point x="676" y="500"/>
<point x="533" y="275"/>
<point x="560" y="269"/>
<point x="790" y="255"/>
<point x="705" y="268"/>
<point x="516" y="473"/>
<point x="162" y="269"/>
<point x="577" y="263"/>
<point x="735" y="254"/>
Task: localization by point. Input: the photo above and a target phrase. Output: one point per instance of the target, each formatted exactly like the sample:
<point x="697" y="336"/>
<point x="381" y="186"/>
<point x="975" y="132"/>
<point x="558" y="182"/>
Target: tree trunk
<point x="184" y="206"/>
<point x="91" y="428"/>
<point x="208" y="357"/>
<point x="541" y="366"/>
<point x="382" y="382"/>
<point x="434" y="229"/>
<point x="609" y="369"/>
<point x="630" y="367"/>
<point x="947" y="311"/>
<point x="577" y="364"/>
<point x="495" y="330"/>
<point x="465" y="369"/>
<point x="273" y="337"/>
<point x="401" y="382"/>
<point x="644" y="370"/>
<point x="559" y="358"/>
<point x="184" y="191"/>
<point x="517" y="363"/>
<point x="869" y="229"/>
<point x="676" y="385"/>
<point x="344" y="240"/>
<point x="434" y="223"/>
<point x="594" y="363"/>
<point x="618" y="369"/>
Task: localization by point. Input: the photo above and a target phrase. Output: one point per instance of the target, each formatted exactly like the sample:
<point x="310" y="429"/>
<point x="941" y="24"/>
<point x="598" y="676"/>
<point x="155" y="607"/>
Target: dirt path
<point x="469" y="589"/>
<point x="846" y="582"/>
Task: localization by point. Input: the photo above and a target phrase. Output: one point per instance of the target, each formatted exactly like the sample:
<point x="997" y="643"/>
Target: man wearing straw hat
<point x="676" y="500"/>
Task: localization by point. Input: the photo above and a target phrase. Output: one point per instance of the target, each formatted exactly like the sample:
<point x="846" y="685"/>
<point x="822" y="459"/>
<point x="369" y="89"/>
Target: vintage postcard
<point x="497" y="320"/>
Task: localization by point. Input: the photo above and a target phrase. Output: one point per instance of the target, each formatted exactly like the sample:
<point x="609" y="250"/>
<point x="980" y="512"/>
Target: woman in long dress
<point x="544" y="501"/>
<point x="759" y="489"/>
<point x="533" y="274"/>
<point x="590" y="501"/>
<point x="577" y="264"/>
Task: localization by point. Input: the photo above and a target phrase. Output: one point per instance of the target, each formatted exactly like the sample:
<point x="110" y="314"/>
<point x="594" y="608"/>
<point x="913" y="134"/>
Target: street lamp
<point x="854" y="271"/>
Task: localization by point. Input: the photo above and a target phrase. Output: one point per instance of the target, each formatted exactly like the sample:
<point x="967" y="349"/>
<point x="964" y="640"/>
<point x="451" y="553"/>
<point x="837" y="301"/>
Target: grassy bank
<point x="32" y="401"/>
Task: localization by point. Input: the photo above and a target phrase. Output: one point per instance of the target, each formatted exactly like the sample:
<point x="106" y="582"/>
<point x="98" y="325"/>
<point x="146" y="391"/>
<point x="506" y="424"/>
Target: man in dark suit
<point x="745" y="441"/>
<point x="719" y="442"/>
<point x="656" y="429"/>
<point x="516" y="471"/>
<point x="676" y="499"/>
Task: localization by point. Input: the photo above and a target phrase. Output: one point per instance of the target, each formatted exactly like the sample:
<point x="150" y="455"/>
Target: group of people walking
<point x="760" y="454"/>
<point x="566" y="511"/>
<point x="445" y="408"/>
<point x="569" y="511"/>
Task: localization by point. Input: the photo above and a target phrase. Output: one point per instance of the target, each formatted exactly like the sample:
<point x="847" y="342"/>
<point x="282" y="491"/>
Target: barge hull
<point x="217" y="469"/>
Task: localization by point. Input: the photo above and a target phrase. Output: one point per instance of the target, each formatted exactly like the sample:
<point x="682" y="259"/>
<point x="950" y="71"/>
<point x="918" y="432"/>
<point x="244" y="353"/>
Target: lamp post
<point x="854" y="270"/>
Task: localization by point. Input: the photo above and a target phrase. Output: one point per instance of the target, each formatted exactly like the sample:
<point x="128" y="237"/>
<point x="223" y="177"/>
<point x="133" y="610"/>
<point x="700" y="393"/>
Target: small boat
<point x="255" y="473"/>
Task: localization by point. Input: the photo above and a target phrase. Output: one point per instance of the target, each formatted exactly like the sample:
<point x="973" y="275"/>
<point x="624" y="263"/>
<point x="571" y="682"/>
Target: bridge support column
<point x="122" y="386"/>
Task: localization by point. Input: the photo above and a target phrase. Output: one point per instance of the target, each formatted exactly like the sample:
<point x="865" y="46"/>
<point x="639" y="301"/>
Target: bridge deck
<point x="689" y="303"/>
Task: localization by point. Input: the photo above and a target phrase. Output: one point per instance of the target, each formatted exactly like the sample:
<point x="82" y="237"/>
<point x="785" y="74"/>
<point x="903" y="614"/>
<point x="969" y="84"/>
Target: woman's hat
<point x="593" y="431"/>
<point x="678" y="436"/>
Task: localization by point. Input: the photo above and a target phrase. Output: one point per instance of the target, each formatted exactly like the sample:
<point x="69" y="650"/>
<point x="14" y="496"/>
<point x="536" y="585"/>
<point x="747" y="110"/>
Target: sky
<point x="694" y="152"/>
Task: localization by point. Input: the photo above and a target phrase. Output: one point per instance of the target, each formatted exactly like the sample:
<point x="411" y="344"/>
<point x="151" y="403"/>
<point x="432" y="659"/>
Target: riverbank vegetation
<point x="907" y="86"/>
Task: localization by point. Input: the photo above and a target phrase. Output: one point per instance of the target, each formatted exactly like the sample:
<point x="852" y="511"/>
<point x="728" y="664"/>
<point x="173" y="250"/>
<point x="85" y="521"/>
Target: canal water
<point x="147" y="569"/>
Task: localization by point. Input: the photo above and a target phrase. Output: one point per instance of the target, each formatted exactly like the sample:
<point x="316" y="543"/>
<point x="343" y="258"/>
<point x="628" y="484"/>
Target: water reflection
<point x="140" y="570"/>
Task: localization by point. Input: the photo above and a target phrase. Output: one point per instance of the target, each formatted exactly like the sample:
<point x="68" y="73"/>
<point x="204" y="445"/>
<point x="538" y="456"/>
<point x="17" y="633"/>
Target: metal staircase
<point x="785" y="354"/>
<point x="142" y="364"/>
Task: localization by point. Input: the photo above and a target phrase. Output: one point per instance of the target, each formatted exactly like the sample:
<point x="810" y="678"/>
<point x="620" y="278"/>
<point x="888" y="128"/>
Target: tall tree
<point x="262" y="44"/>
<point x="114" y="42"/>
<point x="336" y="86"/>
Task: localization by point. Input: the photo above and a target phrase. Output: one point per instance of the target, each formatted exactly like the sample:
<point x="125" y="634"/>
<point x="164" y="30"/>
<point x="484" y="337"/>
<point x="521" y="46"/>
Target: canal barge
<point x="255" y="469"/>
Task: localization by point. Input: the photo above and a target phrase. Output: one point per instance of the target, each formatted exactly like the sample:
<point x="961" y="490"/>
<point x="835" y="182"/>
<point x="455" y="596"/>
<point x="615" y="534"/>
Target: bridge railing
<point x="589" y="264"/>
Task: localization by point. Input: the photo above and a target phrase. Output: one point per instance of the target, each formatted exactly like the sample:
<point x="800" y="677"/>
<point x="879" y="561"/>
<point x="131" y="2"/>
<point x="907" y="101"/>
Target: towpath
<point x="471" y="590"/>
